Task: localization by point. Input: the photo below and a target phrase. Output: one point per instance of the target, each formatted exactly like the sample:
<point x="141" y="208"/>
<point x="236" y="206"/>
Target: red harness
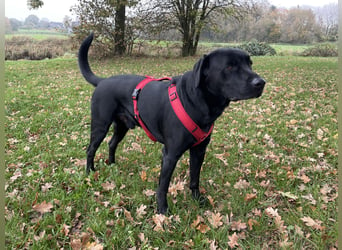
<point x="178" y="108"/>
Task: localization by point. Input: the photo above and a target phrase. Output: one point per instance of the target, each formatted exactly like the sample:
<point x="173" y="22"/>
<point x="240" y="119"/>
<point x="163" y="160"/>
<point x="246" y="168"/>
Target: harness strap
<point x="186" y="120"/>
<point x="135" y="95"/>
<point x="177" y="107"/>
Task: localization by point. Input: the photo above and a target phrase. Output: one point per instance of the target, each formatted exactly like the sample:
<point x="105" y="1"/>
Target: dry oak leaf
<point x="43" y="207"/>
<point x="149" y="192"/>
<point x="93" y="246"/>
<point x="203" y="228"/>
<point x="249" y="197"/>
<point x="238" y="225"/>
<point x="198" y="220"/>
<point x="215" y="220"/>
<point x="141" y="211"/>
<point x="159" y="220"/>
<point x="233" y="240"/>
<point x="241" y="184"/>
<point x="108" y="186"/>
<point x="316" y="224"/>
<point x="271" y="212"/>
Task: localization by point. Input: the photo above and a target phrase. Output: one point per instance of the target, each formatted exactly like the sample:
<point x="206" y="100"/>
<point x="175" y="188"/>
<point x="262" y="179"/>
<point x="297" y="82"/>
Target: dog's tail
<point x="84" y="64"/>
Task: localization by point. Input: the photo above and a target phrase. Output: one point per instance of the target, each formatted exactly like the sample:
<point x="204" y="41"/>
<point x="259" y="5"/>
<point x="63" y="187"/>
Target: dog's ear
<point x="200" y="70"/>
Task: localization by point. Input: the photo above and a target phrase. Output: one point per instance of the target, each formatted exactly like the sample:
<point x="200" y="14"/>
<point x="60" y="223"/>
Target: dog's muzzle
<point x="258" y="83"/>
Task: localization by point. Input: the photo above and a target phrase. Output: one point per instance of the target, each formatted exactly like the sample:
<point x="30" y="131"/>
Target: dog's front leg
<point x="168" y="165"/>
<point x="197" y="154"/>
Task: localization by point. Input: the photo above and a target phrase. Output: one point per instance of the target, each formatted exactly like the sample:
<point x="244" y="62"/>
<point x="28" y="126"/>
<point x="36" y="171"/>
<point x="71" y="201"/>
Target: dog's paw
<point x="201" y="199"/>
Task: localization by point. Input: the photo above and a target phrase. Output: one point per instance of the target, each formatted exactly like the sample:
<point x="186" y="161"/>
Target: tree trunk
<point x="119" y="36"/>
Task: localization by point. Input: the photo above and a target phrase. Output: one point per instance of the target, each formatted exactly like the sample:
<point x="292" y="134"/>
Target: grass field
<point x="38" y="34"/>
<point x="270" y="171"/>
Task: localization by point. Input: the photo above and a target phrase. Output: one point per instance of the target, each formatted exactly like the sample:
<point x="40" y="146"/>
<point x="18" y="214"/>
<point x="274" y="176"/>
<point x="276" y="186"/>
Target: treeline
<point x="266" y="23"/>
<point x="33" y="22"/>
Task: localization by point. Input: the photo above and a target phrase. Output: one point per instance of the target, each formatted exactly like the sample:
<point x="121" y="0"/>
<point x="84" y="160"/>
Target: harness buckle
<point x="173" y="96"/>
<point x="135" y="94"/>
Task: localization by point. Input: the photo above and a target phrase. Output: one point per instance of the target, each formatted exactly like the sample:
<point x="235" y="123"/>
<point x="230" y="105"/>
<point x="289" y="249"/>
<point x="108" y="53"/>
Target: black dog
<point x="222" y="76"/>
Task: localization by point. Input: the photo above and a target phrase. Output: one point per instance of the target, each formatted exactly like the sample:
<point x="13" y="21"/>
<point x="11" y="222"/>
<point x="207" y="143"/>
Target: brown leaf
<point x="128" y="215"/>
<point x="271" y="212"/>
<point x="238" y="225"/>
<point x="316" y="224"/>
<point x="43" y="207"/>
<point x="141" y="211"/>
<point x="249" y="197"/>
<point x="143" y="175"/>
<point x="159" y="220"/>
<point x="65" y="229"/>
<point x="149" y="192"/>
<point x="251" y="223"/>
<point x="203" y="228"/>
<point x="198" y="220"/>
<point x="233" y="240"/>
<point x="241" y="184"/>
<point x="215" y="220"/>
<point x="108" y="186"/>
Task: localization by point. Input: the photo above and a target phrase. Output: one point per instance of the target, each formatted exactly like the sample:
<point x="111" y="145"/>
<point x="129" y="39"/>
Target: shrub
<point x="255" y="48"/>
<point x="21" y="47"/>
<point x="321" y="50"/>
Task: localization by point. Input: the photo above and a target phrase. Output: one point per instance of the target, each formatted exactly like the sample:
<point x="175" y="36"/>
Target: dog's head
<point x="228" y="73"/>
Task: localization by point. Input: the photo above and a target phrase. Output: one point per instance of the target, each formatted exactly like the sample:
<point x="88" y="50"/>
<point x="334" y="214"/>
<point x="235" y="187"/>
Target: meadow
<point x="270" y="171"/>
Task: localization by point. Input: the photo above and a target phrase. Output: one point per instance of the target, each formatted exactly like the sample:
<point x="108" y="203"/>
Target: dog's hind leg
<point x="99" y="130"/>
<point x="120" y="131"/>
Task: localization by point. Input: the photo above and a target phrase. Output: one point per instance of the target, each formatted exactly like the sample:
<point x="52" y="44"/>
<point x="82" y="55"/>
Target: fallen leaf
<point x="249" y="197"/>
<point x="143" y="175"/>
<point x="149" y="192"/>
<point x="198" y="220"/>
<point x="241" y="184"/>
<point x="304" y="178"/>
<point x="65" y="229"/>
<point x="213" y="245"/>
<point x="159" y="220"/>
<point x="233" y="240"/>
<point x="251" y="223"/>
<point x="203" y="228"/>
<point x="141" y="211"/>
<point x="316" y="224"/>
<point x="271" y="212"/>
<point x="108" y="186"/>
<point x="128" y="215"/>
<point x="238" y="225"/>
<point x="93" y="246"/>
<point x="215" y="220"/>
<point x="43" y="207"/>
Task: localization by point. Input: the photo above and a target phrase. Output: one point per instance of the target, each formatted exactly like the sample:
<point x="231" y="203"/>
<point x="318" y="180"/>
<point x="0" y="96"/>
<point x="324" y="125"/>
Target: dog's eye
<point x="229" y="67"/>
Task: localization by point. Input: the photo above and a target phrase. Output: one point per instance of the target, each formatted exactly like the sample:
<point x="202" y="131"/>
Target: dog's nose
<point x="258" y="82"/>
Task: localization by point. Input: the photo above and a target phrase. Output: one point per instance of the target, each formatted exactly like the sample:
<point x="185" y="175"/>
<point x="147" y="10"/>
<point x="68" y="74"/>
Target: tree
<point x="108" y="18"/>
<point x="31" y="21"/>
<point x="188" y="16"/>
<point x="299" y="26"/>
<point x="35" y="4"/>
<point x="327" y="17"/>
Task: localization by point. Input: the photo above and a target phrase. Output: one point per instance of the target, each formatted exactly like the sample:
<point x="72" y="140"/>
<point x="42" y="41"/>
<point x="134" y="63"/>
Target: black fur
<point x="222" y="76"/>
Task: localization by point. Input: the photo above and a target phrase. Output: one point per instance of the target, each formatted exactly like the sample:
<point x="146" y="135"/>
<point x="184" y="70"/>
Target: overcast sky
<point x="57" y="10"/>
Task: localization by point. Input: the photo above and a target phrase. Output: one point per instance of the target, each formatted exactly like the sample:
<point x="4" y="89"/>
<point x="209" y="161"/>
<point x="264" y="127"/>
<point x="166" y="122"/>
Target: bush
<point x="21" y="47"/>
<point x="255" y="48"/>
<point x="321" y="50"/>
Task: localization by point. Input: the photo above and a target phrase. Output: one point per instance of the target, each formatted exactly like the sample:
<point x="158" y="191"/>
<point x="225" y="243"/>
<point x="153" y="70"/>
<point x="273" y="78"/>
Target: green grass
<point x="38" y="34"/>
<point x="277" y="152"/>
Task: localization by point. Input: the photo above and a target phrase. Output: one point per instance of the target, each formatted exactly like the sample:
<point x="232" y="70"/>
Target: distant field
<point x="38" y="34"/>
